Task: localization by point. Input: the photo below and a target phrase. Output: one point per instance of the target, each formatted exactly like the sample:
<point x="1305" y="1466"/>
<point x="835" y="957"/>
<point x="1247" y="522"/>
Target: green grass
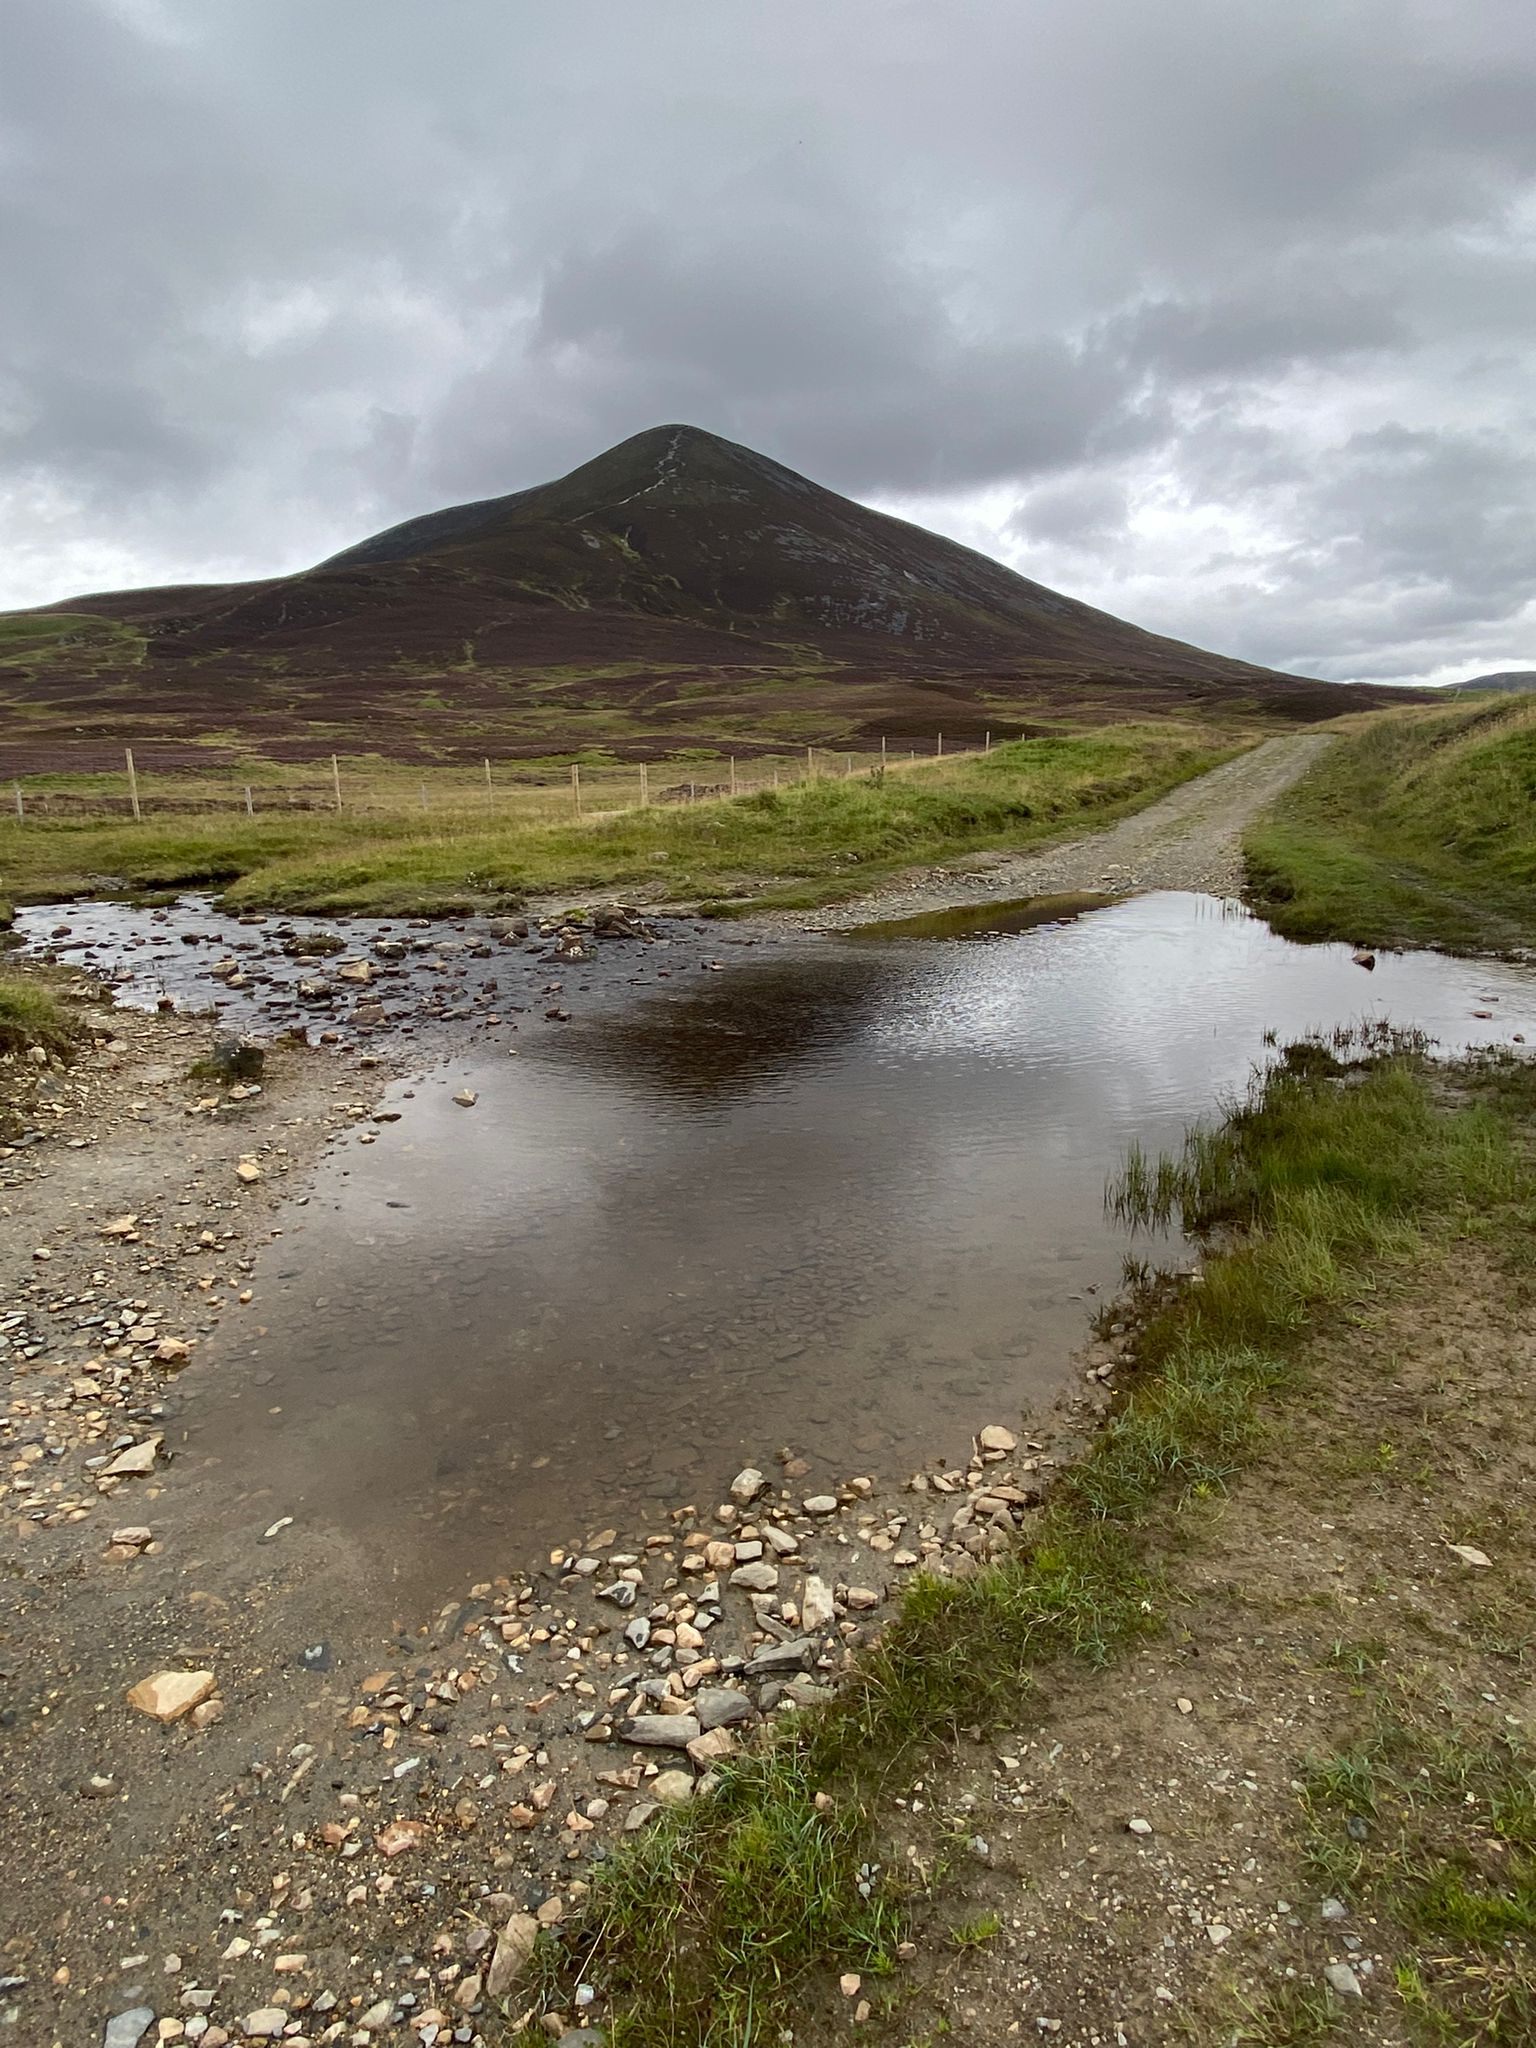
<point x="1418" y="829"/>
<point x="711" y="1929"/>
<point x="31" y="1015"/>
<point x="1430" y="1820"/>
<point x="819" y="839"/>
<point x="974" y="1934"/>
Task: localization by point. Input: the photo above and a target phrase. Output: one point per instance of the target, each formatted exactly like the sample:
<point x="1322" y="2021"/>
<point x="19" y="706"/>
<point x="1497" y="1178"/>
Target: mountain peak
<point x="679" y="585"/>
<point x="679" y="523"/>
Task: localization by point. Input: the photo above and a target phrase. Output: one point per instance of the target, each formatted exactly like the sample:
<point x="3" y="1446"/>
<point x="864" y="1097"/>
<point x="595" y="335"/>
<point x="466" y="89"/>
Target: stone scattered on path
<point x="266" y="2023"/>
<point x="662" y="1731"/>
<point x="136" y="1461"/>
<point x="818" y="1610"/>
<point x="167" y="1695"/>
<point x="127" y="2029"/>
<point x="514" y="1948"/>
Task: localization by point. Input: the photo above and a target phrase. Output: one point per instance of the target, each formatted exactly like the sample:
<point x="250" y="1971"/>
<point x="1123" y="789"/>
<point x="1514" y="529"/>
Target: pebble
<point x="818" y="1610"/>
<point x="710" y="1747"/>
<point x="514" y="1947"/>
<point x="820" y="1504"/>
<point x="719" y="1707"/>
<point x="127" y="2029"/>
<point x="662" y="1731"/>
<point x="755" y="1578"/>
<point x="1342" y="1979"/>
<point x="167" y="1695"/>
<point x="135" y="1462"/>
<point x="794" y="1655"/>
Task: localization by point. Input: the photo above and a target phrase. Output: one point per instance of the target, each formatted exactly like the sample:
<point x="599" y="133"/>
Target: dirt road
<point x="1190" y="839"/>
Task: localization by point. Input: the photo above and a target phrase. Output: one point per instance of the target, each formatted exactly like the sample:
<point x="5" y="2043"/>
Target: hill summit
<point x="676" y="523"/>
<point x="678" y="590"/>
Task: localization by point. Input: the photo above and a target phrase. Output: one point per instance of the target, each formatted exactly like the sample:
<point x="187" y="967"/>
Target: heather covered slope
<point x="677" y="591"/>
<point x="679" y="524"/>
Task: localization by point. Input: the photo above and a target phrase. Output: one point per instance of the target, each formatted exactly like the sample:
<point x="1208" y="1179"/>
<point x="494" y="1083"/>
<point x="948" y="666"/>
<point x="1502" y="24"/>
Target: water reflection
<point x="847" y="1198"/>
<point x="981" y="920"/>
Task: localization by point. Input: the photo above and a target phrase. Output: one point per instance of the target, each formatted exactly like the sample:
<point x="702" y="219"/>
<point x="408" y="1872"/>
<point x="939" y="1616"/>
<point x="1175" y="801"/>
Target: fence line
<point x="598" y="792"/>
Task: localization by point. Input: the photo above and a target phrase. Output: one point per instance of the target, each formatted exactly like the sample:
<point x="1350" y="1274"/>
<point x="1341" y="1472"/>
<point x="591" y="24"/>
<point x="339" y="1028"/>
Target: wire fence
<point x="508" y="788"/>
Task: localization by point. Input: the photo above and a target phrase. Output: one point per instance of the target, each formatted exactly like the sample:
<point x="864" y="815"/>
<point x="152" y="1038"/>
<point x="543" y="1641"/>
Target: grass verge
<point x="712" y="1928"/>
<point x="813" y="841"/>
<point x="1418" y="829"/>
<point x="31" y="1015"/>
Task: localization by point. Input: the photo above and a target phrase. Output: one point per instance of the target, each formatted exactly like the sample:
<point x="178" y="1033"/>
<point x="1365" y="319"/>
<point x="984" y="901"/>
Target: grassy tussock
<point x="829" y="836"/>
<point x="30" y="1015"/>
<point x="1419" y="829"/>
<point x="708" y="1930"/>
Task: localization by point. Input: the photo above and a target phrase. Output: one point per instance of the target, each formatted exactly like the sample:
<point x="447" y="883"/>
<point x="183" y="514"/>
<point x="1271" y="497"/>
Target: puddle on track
<point x="846" y="1196"/>
<point x="982" y="920"/>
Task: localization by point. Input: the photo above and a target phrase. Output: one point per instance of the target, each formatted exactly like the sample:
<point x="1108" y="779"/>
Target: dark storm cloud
<point x="1213" y="313"/>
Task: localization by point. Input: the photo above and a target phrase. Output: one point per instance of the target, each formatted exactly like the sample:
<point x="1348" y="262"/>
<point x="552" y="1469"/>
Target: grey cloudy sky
<point x="1216" y="313"/>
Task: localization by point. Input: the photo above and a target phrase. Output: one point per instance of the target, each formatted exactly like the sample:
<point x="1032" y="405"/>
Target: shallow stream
<point x="845" y="1196"/>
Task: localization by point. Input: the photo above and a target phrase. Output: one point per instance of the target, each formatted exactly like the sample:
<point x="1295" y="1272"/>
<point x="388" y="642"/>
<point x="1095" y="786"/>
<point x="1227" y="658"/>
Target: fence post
<point x="21" y="808"/>
<point x="810" y="764"/>
<point x="733" y="775"/>
<point x="882" y="750"/>
<point x="488" y="791"/>
<point x="576" y="786"/>
<point x="645" y="784"/>
<point x="336" y="779"/>
<point x="250" y="804"/>
<point x="133" y="783"/>
<point x="939" y="749"/>
<point x="423" y="788"/>
<point x="986" y="746"/>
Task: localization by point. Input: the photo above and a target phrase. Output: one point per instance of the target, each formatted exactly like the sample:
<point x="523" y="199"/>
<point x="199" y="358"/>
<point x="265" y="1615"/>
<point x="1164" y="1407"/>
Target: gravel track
<point x="1189" y="839"/>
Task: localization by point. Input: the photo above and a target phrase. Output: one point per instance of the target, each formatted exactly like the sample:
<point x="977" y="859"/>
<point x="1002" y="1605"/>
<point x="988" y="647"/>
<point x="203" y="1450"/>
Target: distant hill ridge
<point x="1505" y="679"/>
<point x="677" y="589"/>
